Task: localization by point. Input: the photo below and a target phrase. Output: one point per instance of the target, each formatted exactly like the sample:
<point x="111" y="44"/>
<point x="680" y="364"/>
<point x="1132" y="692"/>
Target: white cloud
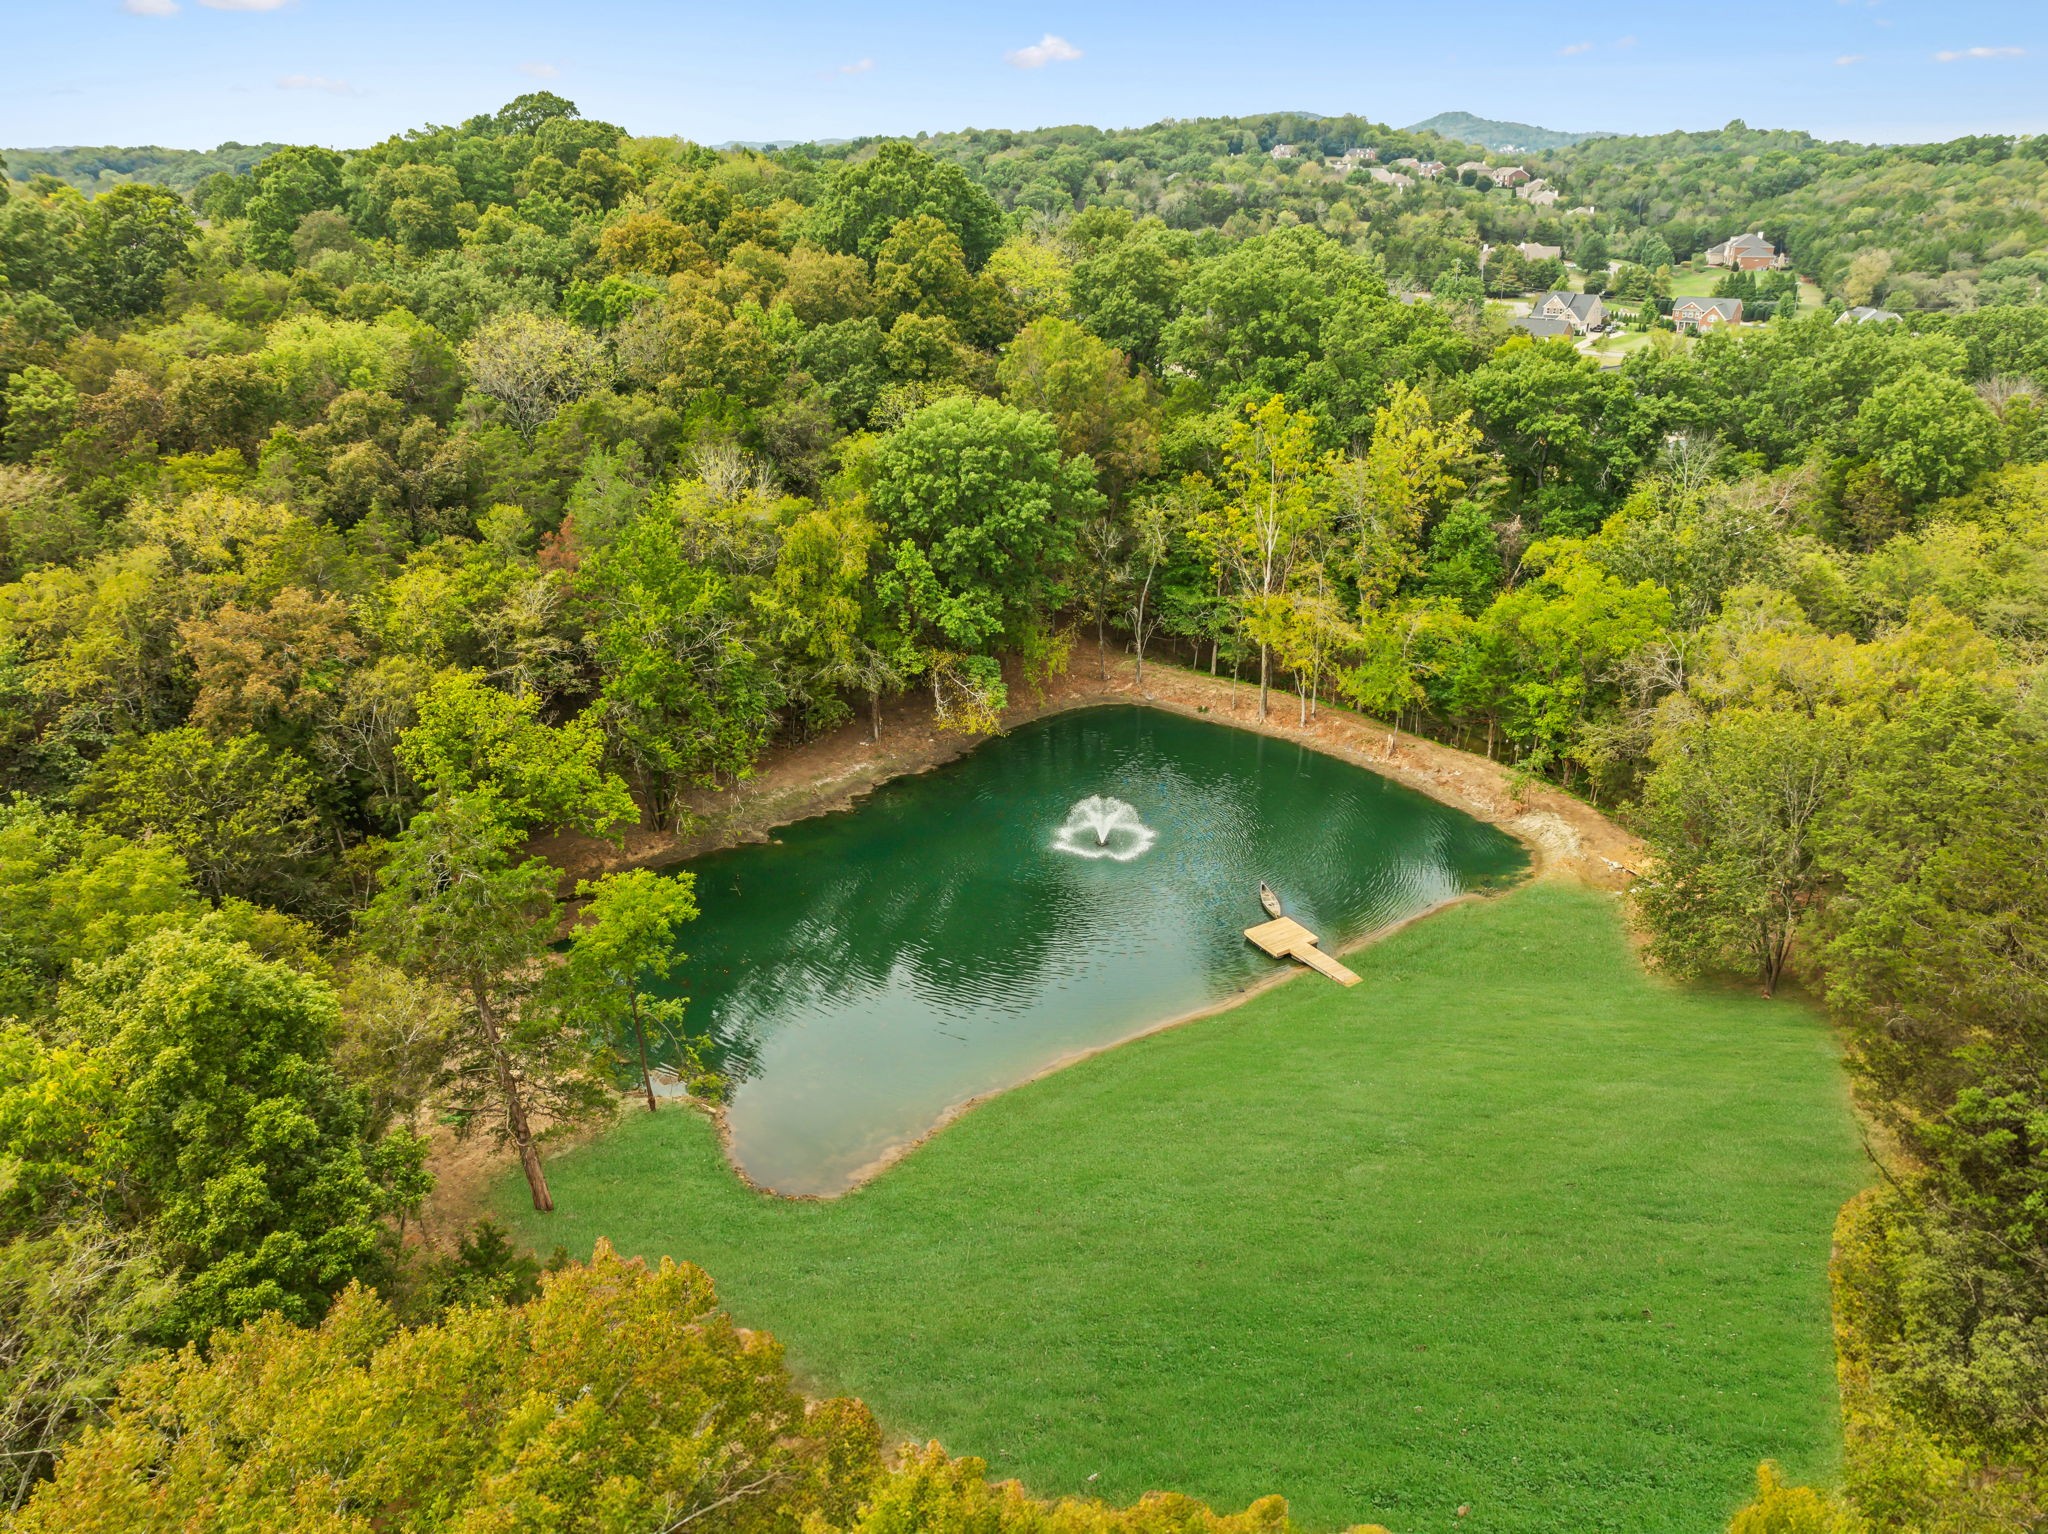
<point x="1047" y="50"/>
<point x="1851" y="58"/>
<point x="857" y="67"/>
<point x="150" y="7"/>
<point x="245" y="5"/>
<point x="317" y="83"/>
<point x="1571" y="48"/>
<point x="1953" y="55"/>
<point x="541" y="70"/>
<point x="1625" y="42"/>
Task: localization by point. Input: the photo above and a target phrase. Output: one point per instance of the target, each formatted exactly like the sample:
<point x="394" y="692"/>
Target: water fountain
<point x="1102" y="827"/>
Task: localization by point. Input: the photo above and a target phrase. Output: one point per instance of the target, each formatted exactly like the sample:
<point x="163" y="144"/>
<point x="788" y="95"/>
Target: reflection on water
<point x="874" y="968"/>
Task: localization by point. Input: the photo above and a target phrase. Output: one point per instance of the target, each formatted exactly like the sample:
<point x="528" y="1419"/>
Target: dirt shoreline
<point x="1566" y="838"/>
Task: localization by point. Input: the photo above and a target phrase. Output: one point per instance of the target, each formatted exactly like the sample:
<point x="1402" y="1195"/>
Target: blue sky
<point x="191" y="73"/>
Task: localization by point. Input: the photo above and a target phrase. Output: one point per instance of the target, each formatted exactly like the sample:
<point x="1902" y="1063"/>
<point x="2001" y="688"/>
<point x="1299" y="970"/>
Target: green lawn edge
<point x="1512" y="1225"/>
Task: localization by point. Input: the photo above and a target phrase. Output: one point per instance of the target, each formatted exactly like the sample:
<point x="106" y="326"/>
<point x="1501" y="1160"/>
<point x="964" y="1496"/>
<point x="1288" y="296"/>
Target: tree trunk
<point x="1265" y="679"/>
<point x="875" y="715"/>
<point x="1101" y="651"/>
<point x="640" y="1038"/>
<point x="515" y="1107"/>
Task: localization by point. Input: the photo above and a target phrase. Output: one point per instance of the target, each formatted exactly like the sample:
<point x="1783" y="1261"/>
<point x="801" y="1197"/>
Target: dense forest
<point x="364" y="515"/>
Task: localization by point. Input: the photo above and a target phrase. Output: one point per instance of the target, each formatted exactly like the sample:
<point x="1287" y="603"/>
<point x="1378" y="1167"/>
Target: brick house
<point x="1703" y="314"/>
<point x="1508" y="175"/>
<point x="1748" y="253"/>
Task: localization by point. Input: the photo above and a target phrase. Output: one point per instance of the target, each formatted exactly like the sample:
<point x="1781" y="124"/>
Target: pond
<point x="1060" y="888"/>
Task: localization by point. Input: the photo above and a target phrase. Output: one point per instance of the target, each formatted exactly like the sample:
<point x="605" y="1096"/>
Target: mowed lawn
<point x="1510" y="1225"/>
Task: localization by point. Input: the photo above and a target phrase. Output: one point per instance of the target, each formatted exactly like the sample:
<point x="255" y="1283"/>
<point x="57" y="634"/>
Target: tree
<point x="1732" y="807"/>
<point x="78" y="1306"/>
<point x="686" y="692"/>
<point x="280" y="664"/>
<point x="1087" y="389"/>
<point x="73" y="894"/>
<point x="533" y="365"/>
<point x="1404" y="478"/>
<point x="456" y="906"/>
<point x="136" y="236"/>
<point x="193" y="1099"/>
<point x="624" y="943"/>
<point x="980" y="513"/>
<point x="1153" y="525"/>
<point x="867" y="199"/>
<point x="470" y="736"/>
<point x="238" y="811"/>
<point x="1928" y="433"/>
<point x="1272" y="517"/>
<point x="287" y="186"/>
<point x="820" y="612"/>
<point x="623" y="1397"/>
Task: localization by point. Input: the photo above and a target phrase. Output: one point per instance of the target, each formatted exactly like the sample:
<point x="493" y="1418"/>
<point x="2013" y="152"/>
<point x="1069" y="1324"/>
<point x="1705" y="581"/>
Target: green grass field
<point x="1510" y="1225"/>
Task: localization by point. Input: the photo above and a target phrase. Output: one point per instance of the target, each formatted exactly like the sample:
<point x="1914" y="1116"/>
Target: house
<point x="1701" y="314"/>
<point x="1863" y="314"/>
<point x="1529" y="250"/>
<point x="1392" y="178"/>
<point x="1538" y="196"/>
<point x="1282" y="151"/>
<point x="1529" y="189"/>
<point x="1479" y="167"/>
<point x="1431" y="169"/>
<point x="1586" y="211"/>
<point x="1748" y="253"/>
<point x="1406" y="162"/>
<point x="1543" y="327"/>
<point x="1349" y="161"/>
<point x="1581" y="313"/>
<point x="1508" y="175"/>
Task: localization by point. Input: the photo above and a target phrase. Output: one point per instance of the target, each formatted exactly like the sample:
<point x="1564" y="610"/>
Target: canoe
<point x="1270" y="901"/>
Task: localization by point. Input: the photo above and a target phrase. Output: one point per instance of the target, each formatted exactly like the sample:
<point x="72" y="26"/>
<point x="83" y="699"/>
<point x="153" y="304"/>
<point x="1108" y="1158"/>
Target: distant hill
<point x="96" y="169"/>
<point x="1501" y="137"/>
<point x="768" y="145"/>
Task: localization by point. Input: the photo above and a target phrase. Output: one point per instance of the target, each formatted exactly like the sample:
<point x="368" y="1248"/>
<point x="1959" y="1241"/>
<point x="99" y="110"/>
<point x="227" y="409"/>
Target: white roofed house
<point x="1282" y="151"/>
<point x="1392" y="178"/>
<point x="1538" y="193"/>
<point x="1529" y="250"/>
<point x="1748" y="253"/>
<point x="1864" y="314"/>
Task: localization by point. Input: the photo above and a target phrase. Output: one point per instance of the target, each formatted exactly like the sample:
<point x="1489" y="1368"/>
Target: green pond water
<point x="961" y="930"/>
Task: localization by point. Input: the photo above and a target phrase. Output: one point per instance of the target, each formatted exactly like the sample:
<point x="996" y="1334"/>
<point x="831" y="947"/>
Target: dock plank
<point x="1286" y="938"/>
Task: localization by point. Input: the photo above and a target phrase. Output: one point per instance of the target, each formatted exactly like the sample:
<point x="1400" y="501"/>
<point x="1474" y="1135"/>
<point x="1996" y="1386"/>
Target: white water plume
<point x="1101" y="827"/>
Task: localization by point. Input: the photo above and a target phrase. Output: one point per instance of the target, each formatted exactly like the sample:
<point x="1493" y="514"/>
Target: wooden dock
<point x="1287" y="938"/>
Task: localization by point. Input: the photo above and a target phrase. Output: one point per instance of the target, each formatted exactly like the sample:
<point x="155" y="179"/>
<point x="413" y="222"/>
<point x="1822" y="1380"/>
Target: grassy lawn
<point x="1511" y="1225"/>
<point x="1687" y="283"/>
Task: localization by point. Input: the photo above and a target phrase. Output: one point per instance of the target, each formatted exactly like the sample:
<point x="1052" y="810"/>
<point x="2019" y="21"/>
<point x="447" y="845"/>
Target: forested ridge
<point x="364" y="515"/>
